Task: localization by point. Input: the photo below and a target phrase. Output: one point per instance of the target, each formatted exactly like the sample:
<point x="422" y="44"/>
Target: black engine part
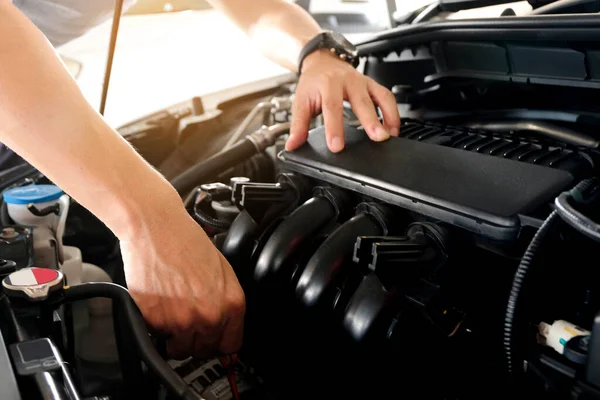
<point x="457" y="182"/>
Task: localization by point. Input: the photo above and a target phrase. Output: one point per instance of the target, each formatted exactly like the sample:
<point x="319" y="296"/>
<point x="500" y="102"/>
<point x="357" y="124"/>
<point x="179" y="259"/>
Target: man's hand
<point x="185" y="287"/>
<point x="281" y="29"/>
<point x="324" y="84"/>
<point x="181" y="283"/>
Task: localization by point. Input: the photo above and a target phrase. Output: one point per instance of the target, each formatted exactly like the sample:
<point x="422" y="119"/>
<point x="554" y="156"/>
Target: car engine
<point x="452" y="261"/>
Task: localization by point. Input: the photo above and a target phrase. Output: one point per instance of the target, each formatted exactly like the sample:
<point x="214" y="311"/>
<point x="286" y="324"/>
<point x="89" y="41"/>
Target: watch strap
<point x="323" y="41"/>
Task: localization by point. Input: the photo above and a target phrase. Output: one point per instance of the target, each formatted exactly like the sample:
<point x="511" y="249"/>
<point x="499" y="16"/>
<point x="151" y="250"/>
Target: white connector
<point x="559" y="333"/>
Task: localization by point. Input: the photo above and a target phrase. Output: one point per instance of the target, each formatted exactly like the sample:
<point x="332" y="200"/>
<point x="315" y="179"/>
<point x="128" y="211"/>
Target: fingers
<point x="332" y="107"/>
<point x="364" y="108"/>
<point x="333" y="115"/>
<point x="363" y="93"/>
<point x="203" y="348"/>
<point x="190" y="344"/>
<point x="181" y="346"/>
<point x="206" y="329"/>
<point x="301" y="116"/>
<point x="192" y="333"/>
<point x="198" y="344"/>
<point x="387" y="104"/>
<point x="232" y="336"/>
<point x="233" y="332"/>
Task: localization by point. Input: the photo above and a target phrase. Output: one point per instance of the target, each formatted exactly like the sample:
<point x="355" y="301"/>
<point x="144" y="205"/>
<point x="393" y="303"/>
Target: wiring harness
<point x="567" y="203"/>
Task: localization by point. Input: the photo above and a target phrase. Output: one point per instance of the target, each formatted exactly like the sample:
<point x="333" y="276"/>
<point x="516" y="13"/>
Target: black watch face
<point x="343" y="43"/>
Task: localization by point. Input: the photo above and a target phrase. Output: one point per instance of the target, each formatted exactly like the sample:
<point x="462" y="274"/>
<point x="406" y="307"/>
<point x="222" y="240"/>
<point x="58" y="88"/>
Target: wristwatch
<point x="336" y="43"/>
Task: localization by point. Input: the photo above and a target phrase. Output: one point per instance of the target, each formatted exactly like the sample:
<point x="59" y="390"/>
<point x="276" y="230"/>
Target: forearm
<point x="280" y="29"/>
<point x="45" y="119"/>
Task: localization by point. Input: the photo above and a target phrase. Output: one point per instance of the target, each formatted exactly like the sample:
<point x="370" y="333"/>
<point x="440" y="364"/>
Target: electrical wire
<point x="228" y="363"/>
<point x="456" y="328"/>
<point x="512" y="319"/>
<point x="584" y="193"/>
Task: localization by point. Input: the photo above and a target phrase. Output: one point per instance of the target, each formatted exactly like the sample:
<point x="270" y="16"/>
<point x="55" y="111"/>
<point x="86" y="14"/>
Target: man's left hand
<point x="325" y="82"/>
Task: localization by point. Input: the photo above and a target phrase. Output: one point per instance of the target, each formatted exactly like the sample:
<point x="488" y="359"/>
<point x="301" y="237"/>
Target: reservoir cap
<point x="33" y="284"/>
<point x="32" y="194"/>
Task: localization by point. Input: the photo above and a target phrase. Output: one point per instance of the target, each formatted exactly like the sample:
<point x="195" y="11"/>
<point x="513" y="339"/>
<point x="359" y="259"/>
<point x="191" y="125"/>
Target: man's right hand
<point x="181" y="283"/>
<point x="184" y="286"/>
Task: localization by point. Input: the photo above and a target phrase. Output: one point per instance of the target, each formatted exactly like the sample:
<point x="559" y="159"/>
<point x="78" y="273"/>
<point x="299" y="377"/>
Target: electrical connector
<point x="558" y="334"/>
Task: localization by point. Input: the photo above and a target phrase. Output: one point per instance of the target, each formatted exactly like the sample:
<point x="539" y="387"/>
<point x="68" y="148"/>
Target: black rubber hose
<point x="132" y="372"/>
<point x="584" y="193"/>
<point x="4" y="216"/>
<point x="138" y="329"/>
<point x="511" y="319"/>
<point x="210" y="168"/>
<point x="300" y="226"/>
<point x="239" y="241"/>
<point x="327" y="264"/>
<point x="20" y="332"/>
<point x="206" y="219"/>
<point x="17" y="176"/>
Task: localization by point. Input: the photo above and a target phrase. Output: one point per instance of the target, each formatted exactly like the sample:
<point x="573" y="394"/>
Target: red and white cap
<point x="33" y="283"/>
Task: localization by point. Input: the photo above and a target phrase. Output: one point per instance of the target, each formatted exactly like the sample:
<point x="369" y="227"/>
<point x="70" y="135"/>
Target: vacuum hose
<point x="222" y="161"/>
<point x="210" y="168"/>
<point x="206" y="219"/>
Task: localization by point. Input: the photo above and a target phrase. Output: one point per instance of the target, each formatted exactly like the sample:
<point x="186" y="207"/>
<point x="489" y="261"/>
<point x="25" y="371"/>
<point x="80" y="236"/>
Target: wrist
<point x="139" y="214"/>
<point x="325" y="45"/>
<point x="319" y="57"/>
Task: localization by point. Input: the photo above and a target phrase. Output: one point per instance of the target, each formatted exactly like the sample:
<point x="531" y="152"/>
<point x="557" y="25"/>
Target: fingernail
<point x="290" y="145"/>
<point x="336" y="144"/>
<point x="395" y="131"/>
<point x="381" y="133"/>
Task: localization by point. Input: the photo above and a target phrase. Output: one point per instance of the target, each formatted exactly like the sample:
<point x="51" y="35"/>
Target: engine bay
<point x="450" y="262"/>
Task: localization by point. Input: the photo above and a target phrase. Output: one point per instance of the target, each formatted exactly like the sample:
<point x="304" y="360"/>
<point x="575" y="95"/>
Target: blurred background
<point x="170" y="51"/>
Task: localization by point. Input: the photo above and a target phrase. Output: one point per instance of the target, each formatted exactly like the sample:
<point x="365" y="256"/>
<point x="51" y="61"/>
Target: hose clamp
<point x="267" y="135"/>
<point x="259" y="139"/>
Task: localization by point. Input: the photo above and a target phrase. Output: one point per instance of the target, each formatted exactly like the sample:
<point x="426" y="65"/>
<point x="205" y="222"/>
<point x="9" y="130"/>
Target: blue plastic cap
<point x="32" y="194"/>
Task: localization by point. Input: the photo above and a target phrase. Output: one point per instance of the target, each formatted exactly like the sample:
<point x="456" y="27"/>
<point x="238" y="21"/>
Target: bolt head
<point x="8" y="233"/>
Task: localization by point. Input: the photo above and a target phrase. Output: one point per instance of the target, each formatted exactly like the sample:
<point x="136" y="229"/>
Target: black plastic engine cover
<point x="481" y="193"/>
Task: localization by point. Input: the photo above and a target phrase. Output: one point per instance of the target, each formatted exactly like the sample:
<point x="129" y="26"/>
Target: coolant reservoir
<point x="20" y="200"/>
<point x="45" y="208"/>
